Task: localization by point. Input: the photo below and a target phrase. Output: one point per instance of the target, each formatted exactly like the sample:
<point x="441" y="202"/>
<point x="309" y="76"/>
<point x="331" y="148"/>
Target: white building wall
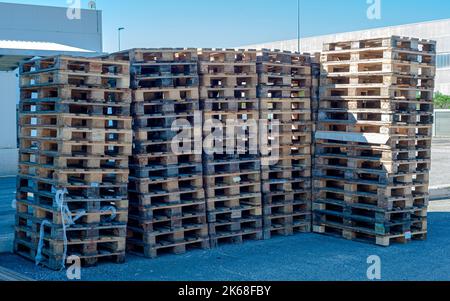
<point x="9" y="94"/>
<point x="443" y="80"/>
<point x="433" y="30"/>
<point x="50" y="24"/>
<point x="44" y="24"/>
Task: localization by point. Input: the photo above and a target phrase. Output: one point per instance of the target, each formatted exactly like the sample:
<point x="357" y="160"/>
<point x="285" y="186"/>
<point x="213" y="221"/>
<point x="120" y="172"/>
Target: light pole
<point x="298" y="25"/>
<point x="119" y="30"/>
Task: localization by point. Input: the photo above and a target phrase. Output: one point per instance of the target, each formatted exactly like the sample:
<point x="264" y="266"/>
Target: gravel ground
<point x="302" y="257"/>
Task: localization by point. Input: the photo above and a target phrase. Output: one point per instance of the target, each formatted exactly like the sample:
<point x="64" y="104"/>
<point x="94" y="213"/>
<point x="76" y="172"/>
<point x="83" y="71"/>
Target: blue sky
<point x="214" y="23"/>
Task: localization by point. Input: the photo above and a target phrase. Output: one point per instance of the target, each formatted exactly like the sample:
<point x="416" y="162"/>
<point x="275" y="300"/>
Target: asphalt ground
<point x="304" y="257"/>
<point x="301" y="257"/>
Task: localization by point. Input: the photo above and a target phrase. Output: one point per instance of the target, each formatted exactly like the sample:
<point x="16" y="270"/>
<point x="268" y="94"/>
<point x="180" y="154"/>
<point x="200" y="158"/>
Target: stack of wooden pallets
<point x="374" y="139"/>
<point x="167" y="200"/>
<point x="75" y="140"/>
<point x="202" y="172"/>
<point x="285" y="97"/>
<point x="228" y="81"/>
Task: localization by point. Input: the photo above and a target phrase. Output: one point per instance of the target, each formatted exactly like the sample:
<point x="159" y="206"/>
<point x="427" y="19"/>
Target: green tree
<point x="441" y="101"/>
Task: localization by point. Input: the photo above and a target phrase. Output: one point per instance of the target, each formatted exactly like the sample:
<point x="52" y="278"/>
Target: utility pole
<point x="298" y="25"/>
<point x="119" y="30"/>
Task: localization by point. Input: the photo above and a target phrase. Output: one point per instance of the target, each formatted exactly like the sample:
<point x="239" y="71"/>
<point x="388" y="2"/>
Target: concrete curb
<point x="440" y="192"/>
<point x="8" y="275"/>
<point x="6" y="243"/>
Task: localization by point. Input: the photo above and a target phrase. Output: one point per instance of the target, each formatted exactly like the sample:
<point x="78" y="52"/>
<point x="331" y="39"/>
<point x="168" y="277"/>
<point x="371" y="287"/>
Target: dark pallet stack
<point x="374" y="139"/>
<point x="315" y="88"/>
<point x="75" y="135"/>
<point x="228" y="81"/>
<point x="285" y="81"/>
<point x="167" y="202"/>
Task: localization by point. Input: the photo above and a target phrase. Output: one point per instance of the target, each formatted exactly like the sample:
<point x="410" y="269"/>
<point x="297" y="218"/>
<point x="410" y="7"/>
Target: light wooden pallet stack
<point x="167" y="200"/>
<point x="228" y="81"/>
<point x="285" y="82"/>
<point x="374" y="139"/>
<point x="75" y="135"/>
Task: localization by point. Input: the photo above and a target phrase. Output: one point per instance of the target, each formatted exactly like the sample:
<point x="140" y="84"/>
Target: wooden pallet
<point x="148" y="123"/>
<point x="167" y="171"/>
<point x="52" y="160"/>
<point x="396" y="42"/>
<point x="67" y="140"/>
<point x="382" y="172"/>
<point x="377" y="105"/>
<point x="218" y="55"/>
<point x="358" y="188"/>
<point x="164" y="184"/>
<point x="164" y="160"/>
<point x="230" y="166"/>
<point x="396" y="144"/>
<point x="247" y="200"/>
<point x="165" y="69"/>
<point x="242" y="92"/>
<point x="42" y="120"/>
<point x="235" y="120"/>
<point x="163" y="107"/>
<point x="232" y="190"/>
<point x="76" y="235"/>
<point x="30" y="184"/>
<point x="162" y="147"/>
<point x="285" y="173"/>
<point x="75" y="175"/>
<point x="177" y="241"/>
<point x="371" y="218"/>
<point x="107" y="251"/>
<point x="80" y="79"/>
<point x="370" y="152"/>
<point x="235" y="232"/>
<point x="158" y="198"/>
<point x="283" y="92"/>
<point x="173" y="214"/>
<point x="235" y="105"/>
<point x="285" y="104"/>
<point x="228" y="80"/>
<point x="74" y="202"/>
<point x="56" y="92"/>
<point x="362" y="236"/>
<point x="158" y="94"/>
<point x="75" y="64"/>
<point x="169" y="81"/>
<point x="393" y="131"/>
<point x="234" y="209"/>
<point x="156" y="55"/>
<point x="27" y="211"/>
<point x="278" y="57"/>
<point x="288" y="161"/>
<point x="287" y="225"/>
<point x="105" y="109"/>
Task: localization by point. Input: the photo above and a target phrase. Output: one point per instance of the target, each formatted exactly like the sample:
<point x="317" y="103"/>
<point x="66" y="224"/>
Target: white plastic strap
<point x="113" y="212"/>
<point x="67" y="221"/>
<point x="39" y="258"/>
